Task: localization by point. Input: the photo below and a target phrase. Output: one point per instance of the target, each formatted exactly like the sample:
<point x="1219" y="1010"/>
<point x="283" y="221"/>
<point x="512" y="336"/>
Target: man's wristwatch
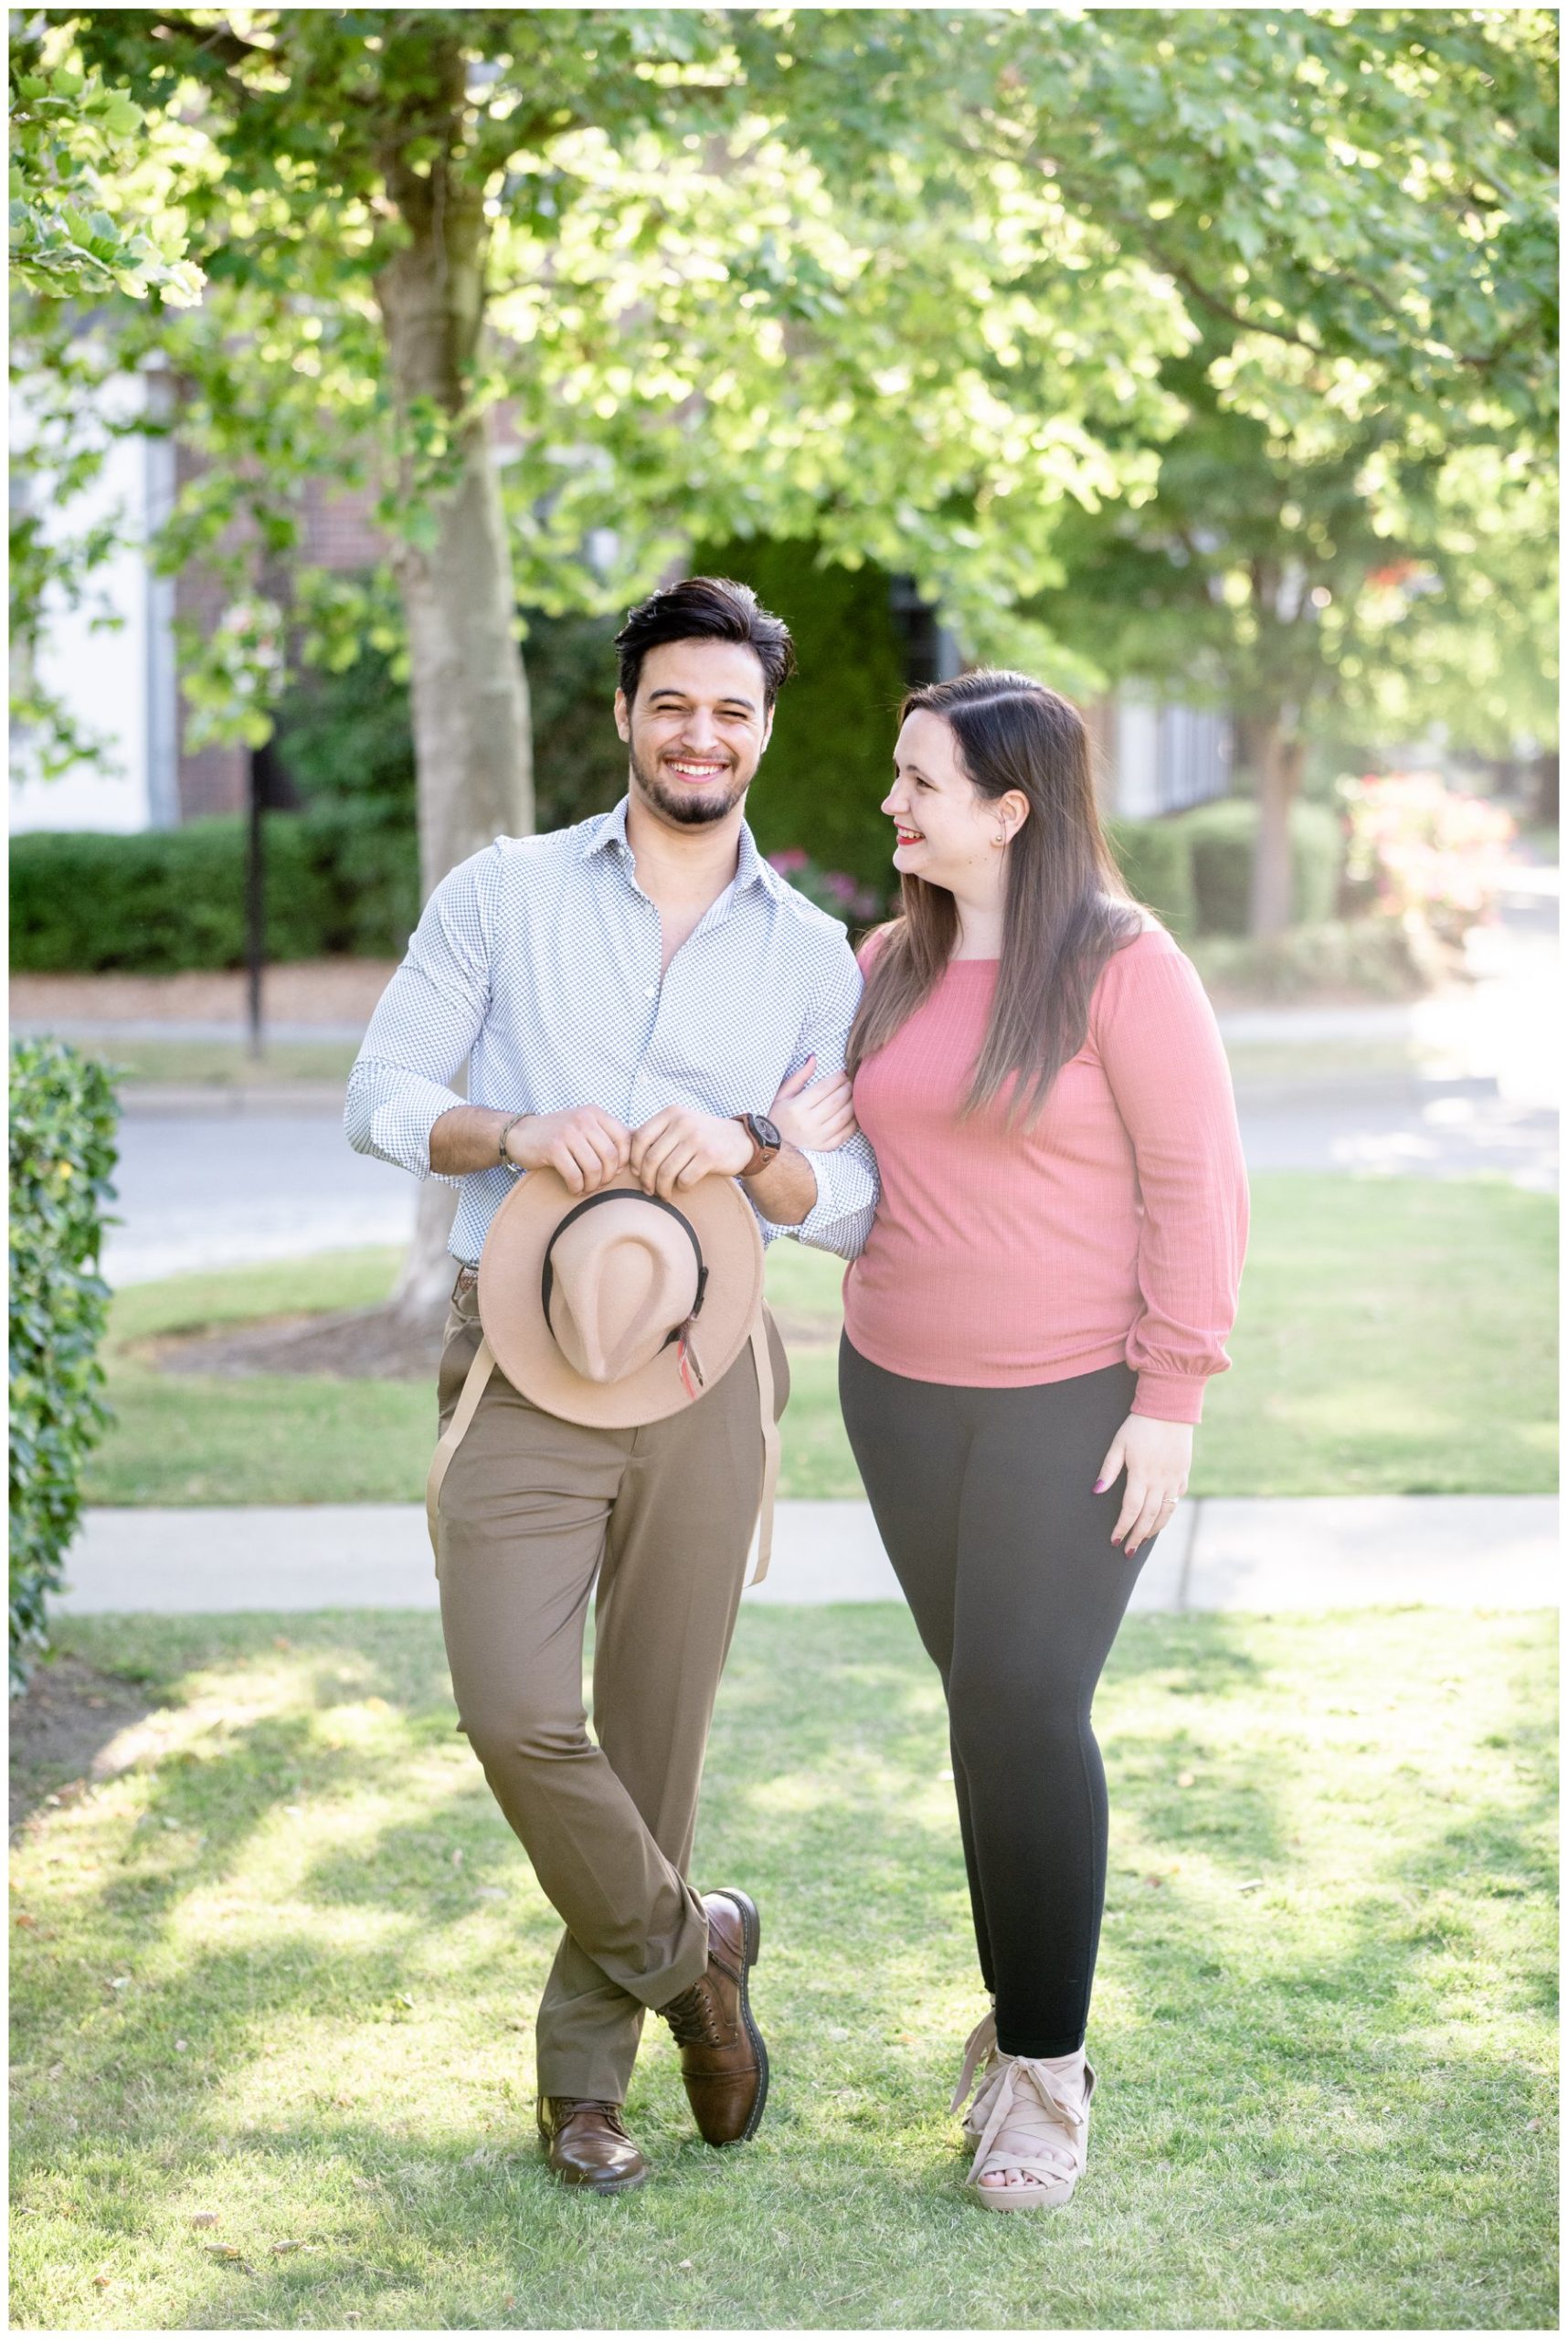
<point x="766" y="1142"/>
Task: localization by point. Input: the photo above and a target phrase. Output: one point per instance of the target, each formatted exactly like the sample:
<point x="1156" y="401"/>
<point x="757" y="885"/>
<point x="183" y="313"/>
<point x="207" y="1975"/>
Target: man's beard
<point x="690" y="808"/>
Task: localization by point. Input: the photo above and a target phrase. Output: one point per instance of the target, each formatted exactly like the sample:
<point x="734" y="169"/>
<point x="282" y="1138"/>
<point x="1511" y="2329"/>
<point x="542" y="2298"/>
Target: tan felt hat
<point x="620" y="1308"/>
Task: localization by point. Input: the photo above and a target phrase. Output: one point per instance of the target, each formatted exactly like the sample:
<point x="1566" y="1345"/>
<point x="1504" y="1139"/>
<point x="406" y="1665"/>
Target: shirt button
<point x="651" y="991"/>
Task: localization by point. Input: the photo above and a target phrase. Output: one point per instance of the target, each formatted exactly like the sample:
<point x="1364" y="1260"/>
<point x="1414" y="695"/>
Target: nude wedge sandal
<point x="1037" y="2121"/>
<point x="980" y="2073"/>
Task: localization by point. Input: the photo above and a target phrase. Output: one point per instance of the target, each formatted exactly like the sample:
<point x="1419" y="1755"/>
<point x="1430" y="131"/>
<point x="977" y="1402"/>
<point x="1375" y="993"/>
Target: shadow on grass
<point x="63" y="1729"/>
<point x="1283" y="2068"/>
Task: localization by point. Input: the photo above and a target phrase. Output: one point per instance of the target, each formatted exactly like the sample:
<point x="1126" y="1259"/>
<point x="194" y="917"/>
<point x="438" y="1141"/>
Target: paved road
<point x="204" y="1183"/>
<point x="208" y="1188"/>
<point x="220" y="1189"/>
<point x="1429" y="1128"/>
<point x="1286" y="1554"/>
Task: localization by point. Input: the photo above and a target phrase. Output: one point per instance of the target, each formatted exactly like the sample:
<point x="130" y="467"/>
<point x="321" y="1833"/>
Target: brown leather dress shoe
<point x="587" y="2145"/>
<point x="722" y="2059"/>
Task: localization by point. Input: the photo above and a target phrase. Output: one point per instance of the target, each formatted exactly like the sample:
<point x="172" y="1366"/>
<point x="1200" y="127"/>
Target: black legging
<point x="982" y="1498"/>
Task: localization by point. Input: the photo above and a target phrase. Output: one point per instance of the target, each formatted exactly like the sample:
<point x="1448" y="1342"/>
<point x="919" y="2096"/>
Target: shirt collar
<point x="750" y="869"/>
<point x="608" y="829"/>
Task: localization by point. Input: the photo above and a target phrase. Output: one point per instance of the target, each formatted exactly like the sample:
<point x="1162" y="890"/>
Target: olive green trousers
<point x="534" y="1511"/>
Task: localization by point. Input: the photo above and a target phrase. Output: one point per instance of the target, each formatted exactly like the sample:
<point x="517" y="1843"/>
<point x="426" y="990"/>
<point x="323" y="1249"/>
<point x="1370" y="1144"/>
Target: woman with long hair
<point x="1048" y="1285"/>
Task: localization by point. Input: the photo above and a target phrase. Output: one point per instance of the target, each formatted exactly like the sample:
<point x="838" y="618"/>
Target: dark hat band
<point x="623" y="1194"/>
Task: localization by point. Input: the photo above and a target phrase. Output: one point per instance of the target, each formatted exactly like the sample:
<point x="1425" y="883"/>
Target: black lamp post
<point x="267" y="790"/>
<point x="255" y="900"/>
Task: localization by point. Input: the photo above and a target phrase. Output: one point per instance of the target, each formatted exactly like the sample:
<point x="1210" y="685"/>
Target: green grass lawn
<point x="1396" y="1336"/>
<point x="222" y="1064"/>
<point x="280" y="1974"/>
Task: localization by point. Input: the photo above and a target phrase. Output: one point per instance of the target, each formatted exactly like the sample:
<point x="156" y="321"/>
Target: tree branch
<point x="1190" y="283"/>
<point x="220" y="39"/>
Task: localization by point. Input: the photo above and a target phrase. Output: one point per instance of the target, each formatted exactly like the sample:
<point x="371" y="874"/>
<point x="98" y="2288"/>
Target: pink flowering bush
<point x="841" y="896"/>
<point x="1425" y="854"/>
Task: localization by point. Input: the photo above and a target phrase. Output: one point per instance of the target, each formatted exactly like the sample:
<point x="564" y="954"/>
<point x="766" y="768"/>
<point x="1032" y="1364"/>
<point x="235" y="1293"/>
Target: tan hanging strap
<point x="477" y="1380"/>
<point x="467" y="1405"/>
<point x="762" y="1357"/>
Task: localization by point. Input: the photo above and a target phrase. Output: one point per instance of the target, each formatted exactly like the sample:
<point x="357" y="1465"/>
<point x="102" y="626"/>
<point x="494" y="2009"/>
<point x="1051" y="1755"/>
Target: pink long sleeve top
<point x="1110" y="1230"/>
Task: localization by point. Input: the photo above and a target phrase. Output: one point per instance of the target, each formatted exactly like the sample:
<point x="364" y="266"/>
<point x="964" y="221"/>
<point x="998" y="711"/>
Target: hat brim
<point x="512" y="1310"/>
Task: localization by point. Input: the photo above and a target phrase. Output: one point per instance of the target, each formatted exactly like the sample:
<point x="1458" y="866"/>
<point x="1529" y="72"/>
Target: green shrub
<point x="579" y="761"/>
<point x="829" y="761"/>
<point x="1155" y="859"/>
<point x="346" y="741"/>
<point x="167" y="899"/>
<point x="63" y="1114"/>
<point x="1221" y="836"/>
<point x="370" y="866"/>
<point x="1364" y="957"/>
<point x="344" y="874"/>
<point x="832" y="891"/>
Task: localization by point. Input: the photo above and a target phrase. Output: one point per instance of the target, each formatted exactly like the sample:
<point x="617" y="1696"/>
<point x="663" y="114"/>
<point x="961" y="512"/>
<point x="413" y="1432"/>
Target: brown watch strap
<point x="761" y="1155"/>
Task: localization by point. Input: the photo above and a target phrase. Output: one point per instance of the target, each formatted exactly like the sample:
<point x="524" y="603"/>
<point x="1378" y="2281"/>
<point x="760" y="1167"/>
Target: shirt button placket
<point x="639" y="1108"/>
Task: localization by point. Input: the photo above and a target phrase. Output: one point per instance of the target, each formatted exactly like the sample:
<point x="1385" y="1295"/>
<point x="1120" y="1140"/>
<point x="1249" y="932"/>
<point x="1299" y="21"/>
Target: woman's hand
<point x="1157" y="1458"/>
<point x="816" y="1120"/>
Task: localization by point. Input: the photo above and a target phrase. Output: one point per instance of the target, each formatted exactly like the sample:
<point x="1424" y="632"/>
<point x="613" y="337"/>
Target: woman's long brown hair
<point x="1068" y="909"/>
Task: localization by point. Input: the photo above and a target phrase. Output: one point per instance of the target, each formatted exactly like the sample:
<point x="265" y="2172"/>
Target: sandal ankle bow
<point x="980" y="2072"/>
<point x="1036" y="2121"/>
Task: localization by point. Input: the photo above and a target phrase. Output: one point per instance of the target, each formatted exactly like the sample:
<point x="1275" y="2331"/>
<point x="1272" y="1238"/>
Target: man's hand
<point x="819" y="1119"/>
<point x="678" y="1148"/>
<point x="588" y="1146"/>
<point x="1157" y="1456"/>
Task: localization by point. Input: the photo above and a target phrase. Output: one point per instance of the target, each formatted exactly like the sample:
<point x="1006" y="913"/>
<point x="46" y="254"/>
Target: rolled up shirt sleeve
<point x="847" y="1186"/>
<point x="426" y="1023"/>
<point x="1165" y="1061"/>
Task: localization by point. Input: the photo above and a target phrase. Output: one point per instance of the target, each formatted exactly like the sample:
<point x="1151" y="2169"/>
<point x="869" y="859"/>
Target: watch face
<point x="763" y="1130"/>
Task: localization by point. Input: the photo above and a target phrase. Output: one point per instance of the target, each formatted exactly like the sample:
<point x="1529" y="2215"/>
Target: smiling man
<point x="629" y="997"/>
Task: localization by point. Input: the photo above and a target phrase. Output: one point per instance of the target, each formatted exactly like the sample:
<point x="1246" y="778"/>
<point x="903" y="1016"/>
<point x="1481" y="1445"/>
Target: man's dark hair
<point x="706" y="609"/>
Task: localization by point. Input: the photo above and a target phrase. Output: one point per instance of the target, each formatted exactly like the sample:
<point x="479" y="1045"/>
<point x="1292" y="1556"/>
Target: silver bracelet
<point x="506" y="1160"/>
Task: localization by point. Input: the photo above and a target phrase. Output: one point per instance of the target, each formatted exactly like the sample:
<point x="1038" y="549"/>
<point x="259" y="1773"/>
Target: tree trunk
<point x="425" y="1278"/>
<point x="1278" y="775"/>
<point x="469" y="698"/>
<point x="472" y="741"/>
<point x="1545" y="798"/>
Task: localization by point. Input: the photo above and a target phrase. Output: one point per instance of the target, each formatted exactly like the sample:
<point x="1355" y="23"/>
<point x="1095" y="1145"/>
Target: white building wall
<point x="1136" y="757"/>
<point x="118" y="680"/>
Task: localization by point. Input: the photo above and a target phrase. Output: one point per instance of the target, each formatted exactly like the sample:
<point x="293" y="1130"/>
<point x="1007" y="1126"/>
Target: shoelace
<point x="980" y="2044"/>
<point x="692" y="2018"/>
<point x="611" y="2111"/>
<point x="1039" y="2123"/>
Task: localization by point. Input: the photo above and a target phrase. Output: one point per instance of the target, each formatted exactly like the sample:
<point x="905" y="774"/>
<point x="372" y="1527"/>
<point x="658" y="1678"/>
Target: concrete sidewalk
<point x="1312" y="1552"/>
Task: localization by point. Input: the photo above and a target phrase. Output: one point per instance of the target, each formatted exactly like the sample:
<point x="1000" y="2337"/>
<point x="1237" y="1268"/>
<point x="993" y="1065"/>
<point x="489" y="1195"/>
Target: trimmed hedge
<point x="63" y="1114"/>
<point x="343" y="877"/>
<point x="1194" y="869"/>
<point x="168" y="899"/>
<point x="1221" y="837"/>
<point x="370" y="866"/>
<point x="1363" y="958"/>
<point x="1155" y="859"/>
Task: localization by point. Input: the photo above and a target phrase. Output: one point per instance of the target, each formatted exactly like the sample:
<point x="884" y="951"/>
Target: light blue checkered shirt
<point x="537" y="964"/>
